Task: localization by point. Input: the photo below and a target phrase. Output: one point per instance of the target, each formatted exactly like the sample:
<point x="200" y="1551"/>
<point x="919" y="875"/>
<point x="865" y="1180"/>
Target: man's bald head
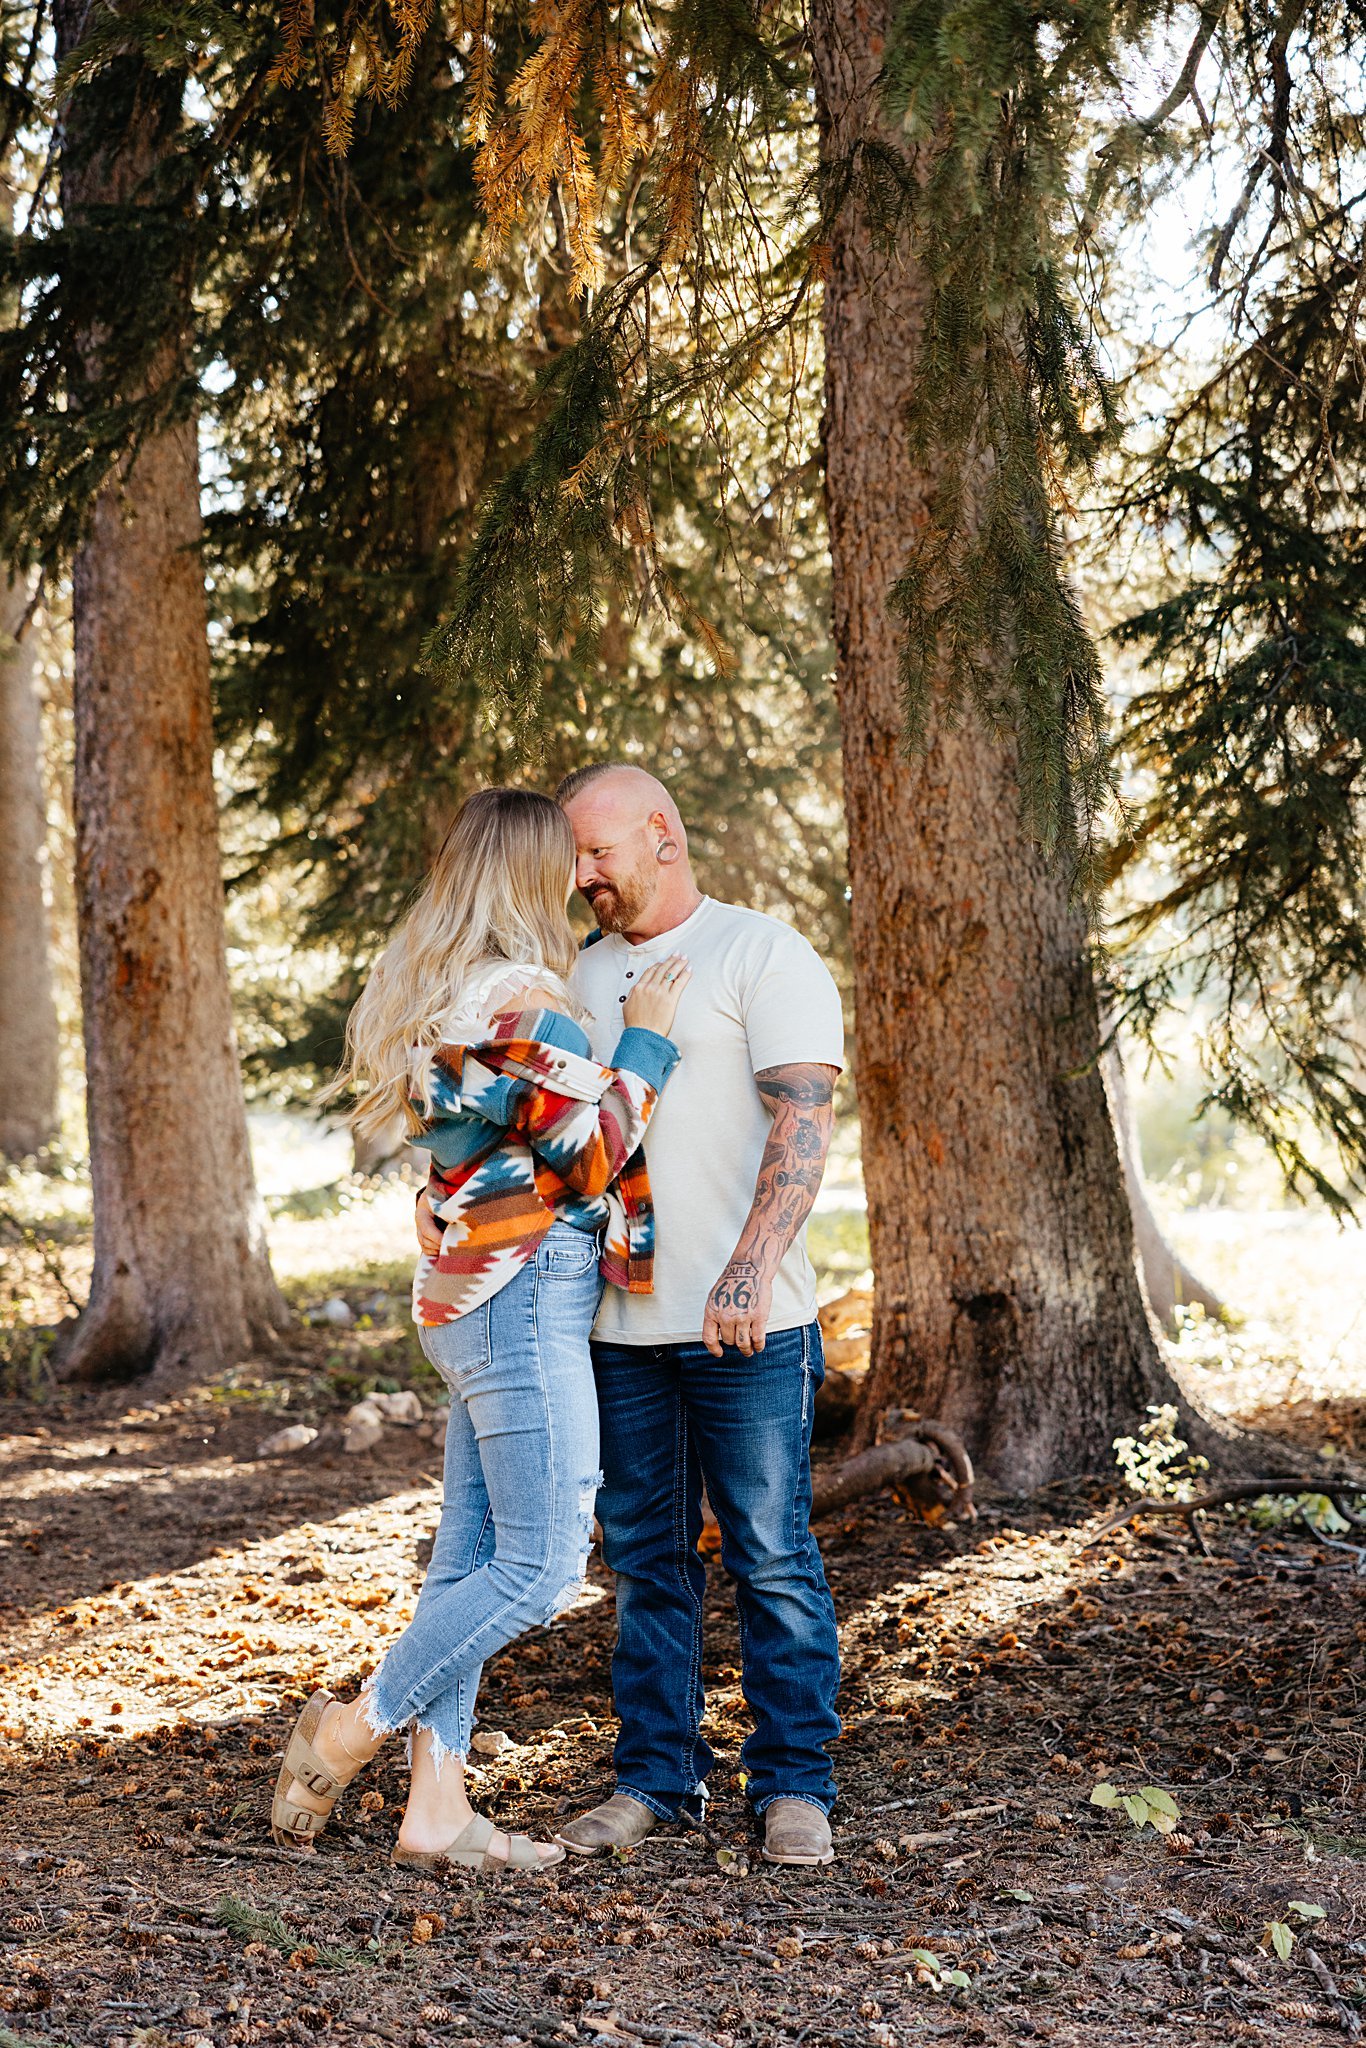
<point x="626" y="791"/>
<point x="632" y="847"/>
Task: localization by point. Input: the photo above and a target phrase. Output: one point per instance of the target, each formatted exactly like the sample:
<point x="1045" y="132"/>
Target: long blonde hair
<point x="499" y="890"/>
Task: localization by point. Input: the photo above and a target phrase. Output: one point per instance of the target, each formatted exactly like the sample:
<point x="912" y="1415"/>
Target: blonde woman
<point x="468" y="1033"/>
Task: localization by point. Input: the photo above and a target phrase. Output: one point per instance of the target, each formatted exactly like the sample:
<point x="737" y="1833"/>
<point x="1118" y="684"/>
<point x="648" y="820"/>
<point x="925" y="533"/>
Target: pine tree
<point x="1244" y="868"/>
<point x="181" y="1273"/>
<point x="28" y="1013"/>
<point x="1007" y="1297"/>
<point x="377" y="380"/>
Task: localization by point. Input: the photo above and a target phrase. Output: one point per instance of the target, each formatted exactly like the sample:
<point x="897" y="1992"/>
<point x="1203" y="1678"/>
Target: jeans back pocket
<point x="566" y="1253"/>
<point x="461" y="1348"/>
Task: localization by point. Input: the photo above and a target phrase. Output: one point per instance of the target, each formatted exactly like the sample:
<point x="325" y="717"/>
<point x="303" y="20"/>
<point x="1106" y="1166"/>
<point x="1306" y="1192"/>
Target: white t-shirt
<point x="760" y="996"/>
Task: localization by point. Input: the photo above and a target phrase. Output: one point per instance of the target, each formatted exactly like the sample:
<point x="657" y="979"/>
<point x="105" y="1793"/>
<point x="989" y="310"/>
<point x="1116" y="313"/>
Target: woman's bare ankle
<point x="349" y="1733"/>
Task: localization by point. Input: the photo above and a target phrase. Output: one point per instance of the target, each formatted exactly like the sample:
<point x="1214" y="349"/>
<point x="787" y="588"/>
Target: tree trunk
<point x="1007" y="1302"/>
<point x="28" y="1014"/>
<point x="1167" y="1280"/>
<point x="181" y="1273"/>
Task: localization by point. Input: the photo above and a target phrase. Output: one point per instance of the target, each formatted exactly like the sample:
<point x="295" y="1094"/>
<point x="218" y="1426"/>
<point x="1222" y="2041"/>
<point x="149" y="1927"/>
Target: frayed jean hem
<point x="439" y="1749"/>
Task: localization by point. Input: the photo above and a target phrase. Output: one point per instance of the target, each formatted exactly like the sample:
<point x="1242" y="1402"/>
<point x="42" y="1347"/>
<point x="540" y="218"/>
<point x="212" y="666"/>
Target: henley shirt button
<point x="621" y="999"/>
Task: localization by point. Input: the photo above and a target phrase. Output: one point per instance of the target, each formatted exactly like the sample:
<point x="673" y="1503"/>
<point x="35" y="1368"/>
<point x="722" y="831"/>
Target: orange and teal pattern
<point x="531" y="1130"/>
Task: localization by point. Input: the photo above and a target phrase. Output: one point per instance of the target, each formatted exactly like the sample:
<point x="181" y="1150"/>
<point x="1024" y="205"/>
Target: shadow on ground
<point x="992" y="1678"/>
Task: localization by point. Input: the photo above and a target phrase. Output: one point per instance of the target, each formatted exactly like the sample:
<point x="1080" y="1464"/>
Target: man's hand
<point x="737" y="1309"/>
<point x="429" y="1229"/>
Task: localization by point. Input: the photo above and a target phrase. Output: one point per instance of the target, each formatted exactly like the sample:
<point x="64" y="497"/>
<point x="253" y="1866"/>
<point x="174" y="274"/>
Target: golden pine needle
<point x="296" y="23"/>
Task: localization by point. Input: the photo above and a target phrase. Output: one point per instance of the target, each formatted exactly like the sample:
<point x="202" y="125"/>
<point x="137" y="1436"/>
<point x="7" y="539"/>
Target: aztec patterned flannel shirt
<point x="531" y="1130"/>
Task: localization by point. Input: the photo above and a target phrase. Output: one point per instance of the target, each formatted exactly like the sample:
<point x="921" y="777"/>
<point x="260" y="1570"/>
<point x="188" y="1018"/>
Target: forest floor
<point x="169" y="1600"/>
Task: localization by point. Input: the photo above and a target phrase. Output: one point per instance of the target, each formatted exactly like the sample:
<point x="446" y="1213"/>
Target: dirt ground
<point x="169" y="1601"/>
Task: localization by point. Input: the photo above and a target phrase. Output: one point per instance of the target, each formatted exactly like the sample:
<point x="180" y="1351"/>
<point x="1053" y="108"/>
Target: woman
<point x="468" y="1031"/>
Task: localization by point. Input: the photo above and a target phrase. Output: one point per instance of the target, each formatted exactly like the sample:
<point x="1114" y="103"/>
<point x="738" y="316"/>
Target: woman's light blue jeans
<point x="521" y="1479"/>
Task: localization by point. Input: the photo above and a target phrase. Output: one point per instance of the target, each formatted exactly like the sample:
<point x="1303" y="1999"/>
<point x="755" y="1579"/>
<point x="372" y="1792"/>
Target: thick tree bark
<point x="181" y="1273"/>
<point x="1007" y="1301"/>
<point x="28" y="1014"/>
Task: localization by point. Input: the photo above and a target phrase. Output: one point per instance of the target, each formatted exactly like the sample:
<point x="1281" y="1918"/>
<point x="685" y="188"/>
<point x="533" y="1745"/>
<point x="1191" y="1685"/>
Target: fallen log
<point x="843" y="1352"/>
<point x="931" y="1468"/>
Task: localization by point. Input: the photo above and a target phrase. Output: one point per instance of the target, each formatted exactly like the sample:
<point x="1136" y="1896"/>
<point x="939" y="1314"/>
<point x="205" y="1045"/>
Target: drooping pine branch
<point x="1246" y="869"/>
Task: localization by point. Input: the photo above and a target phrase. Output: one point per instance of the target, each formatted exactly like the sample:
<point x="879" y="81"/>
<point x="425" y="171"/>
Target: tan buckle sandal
<point x="472" y="1850"/>
<point x="291" y="1826"/>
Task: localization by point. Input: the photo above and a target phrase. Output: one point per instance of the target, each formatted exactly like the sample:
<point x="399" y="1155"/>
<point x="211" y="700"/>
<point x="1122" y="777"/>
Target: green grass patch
<point x="353" y="1283"/>
<point x="837" y="1240"/>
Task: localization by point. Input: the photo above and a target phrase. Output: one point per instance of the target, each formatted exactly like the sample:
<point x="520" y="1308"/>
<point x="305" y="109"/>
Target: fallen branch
<point x="199" y="1845"/>
<point x="1347" y="2016"/>
<point x="176" y="1928"/>
<point x="1224" y="1496"/>
<point x="932" y="1465"/>
<point x="955" y="1452"/>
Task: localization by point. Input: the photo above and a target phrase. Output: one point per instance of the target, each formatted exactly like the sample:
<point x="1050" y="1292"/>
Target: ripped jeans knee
<point x="569" y="1592"/>
<point x="430" y="1676"/>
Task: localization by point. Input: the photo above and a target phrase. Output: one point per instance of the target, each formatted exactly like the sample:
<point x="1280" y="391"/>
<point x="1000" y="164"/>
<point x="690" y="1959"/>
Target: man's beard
<point x="617" y="906"/>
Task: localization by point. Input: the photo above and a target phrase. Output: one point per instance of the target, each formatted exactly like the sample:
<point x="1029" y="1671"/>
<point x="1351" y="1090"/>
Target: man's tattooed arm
<point x="801" y="1099"/>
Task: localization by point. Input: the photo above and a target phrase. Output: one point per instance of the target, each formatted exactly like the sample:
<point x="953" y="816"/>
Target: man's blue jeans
<point x="672" y="1415"/>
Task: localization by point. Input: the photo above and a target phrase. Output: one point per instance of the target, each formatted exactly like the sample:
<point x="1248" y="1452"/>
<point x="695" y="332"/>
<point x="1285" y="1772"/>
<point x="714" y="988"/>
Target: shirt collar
<point x="666" y="942"/>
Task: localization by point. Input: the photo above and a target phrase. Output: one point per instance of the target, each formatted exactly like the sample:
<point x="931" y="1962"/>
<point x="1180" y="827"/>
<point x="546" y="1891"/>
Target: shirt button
<point x="621" y="999"/>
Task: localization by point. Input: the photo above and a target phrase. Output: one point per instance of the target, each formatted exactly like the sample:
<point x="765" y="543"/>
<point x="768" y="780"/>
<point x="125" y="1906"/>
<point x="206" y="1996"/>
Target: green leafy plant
<point x="1316" y="1510"/>
<point x="25" y="1370"/>
<point x="1157" y="1462"/>
<point x="1150" y="1806"/>
<point x="929" y="1970"/>
<point x="1278" y="1936"/>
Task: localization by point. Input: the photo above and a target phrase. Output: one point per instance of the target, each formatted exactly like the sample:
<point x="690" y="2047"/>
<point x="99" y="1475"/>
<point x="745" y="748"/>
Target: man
<point x="713" y="1375"/>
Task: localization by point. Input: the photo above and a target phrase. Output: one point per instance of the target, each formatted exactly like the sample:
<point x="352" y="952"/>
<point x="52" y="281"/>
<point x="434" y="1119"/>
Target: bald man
<point x="713" y="1375"/>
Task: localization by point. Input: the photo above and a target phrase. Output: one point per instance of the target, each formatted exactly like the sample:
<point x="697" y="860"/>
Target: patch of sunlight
<point x="318" y="1603"/>
<point x="1294" y="1269"/>
<point x="290" y="1151"/>
<point x="233" y="1634"/>
<point x="373" y="1225"/>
